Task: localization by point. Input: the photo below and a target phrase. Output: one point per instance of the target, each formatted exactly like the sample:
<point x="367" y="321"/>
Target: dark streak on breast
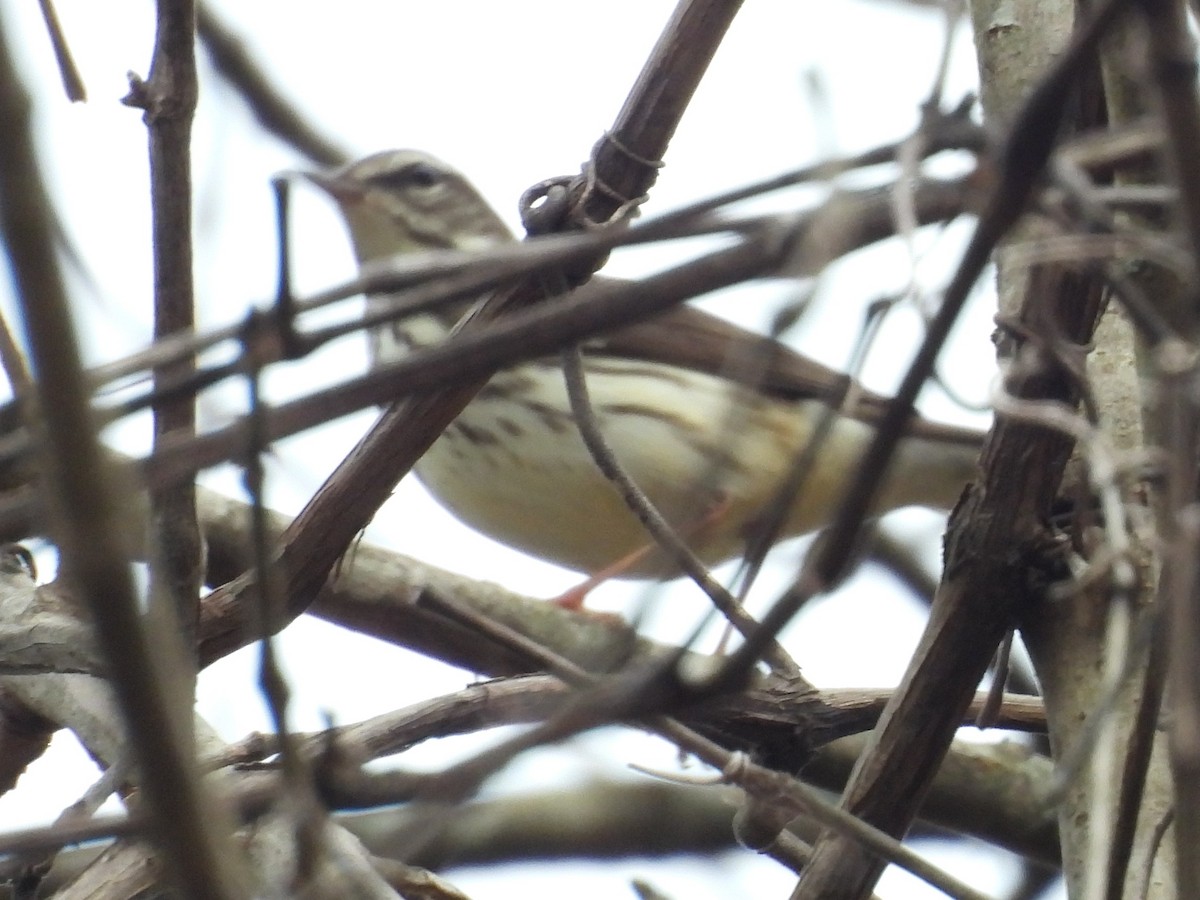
<point x="481" y="437"/>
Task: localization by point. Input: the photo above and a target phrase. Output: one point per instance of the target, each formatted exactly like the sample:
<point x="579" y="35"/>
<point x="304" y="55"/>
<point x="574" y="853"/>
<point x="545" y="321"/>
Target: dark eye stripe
<point x="418" y="175"/>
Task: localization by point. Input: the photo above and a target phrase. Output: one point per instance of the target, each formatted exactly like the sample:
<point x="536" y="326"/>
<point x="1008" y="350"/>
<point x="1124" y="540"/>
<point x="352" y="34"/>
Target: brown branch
<point x="781" y="709"/>
<point x="86" y="520"/>
<point x="168" y="101"/>
<point x="617" y="819"/>
<point x="771" y="719"/>
<point x="394" y="598"/>
<point x="67" y="70"/>
<point x="381" y="593"/>
<point x="1174" y="69"/>
<point x="1021" y="470"/>
<point x="624" y="162"/>
<point x="1078" y="653"/>
<point x="1174" y="72"/>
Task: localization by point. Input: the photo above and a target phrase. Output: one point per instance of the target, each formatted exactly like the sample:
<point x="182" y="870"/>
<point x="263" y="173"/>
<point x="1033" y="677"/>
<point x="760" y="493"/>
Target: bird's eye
<point x="419" y="176"/>
<point x="424" y="176"/>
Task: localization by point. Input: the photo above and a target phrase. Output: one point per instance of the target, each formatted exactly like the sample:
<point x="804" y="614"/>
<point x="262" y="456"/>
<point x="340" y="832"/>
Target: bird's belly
<point x="707" y="453"/>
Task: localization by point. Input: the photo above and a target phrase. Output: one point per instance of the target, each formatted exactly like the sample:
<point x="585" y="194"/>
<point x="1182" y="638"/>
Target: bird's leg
<point x="574" y="598"/>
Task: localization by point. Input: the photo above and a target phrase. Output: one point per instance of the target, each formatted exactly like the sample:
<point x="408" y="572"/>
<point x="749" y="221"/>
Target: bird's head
<point x="405" y="201"/>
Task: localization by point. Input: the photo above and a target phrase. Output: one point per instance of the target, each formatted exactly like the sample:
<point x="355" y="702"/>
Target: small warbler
<point x="709" y="452"/>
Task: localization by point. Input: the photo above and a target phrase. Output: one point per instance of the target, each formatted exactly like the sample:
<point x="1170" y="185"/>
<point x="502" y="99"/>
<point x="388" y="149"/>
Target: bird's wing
<point x="688" y="337"/>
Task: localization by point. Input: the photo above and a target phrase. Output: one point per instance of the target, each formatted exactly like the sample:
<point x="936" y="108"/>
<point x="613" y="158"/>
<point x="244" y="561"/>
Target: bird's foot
<point x="574" y="598"/>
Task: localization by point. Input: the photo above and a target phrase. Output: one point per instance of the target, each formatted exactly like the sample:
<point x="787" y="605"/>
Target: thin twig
<point x="168" y="100"/>
<point x="657" y="527"/>
<point x="87" y="522"/>
<point x="67" y="70"/>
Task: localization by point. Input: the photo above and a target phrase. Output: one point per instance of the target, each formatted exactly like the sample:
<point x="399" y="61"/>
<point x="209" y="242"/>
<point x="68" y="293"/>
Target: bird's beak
<point x="343" y="190"/>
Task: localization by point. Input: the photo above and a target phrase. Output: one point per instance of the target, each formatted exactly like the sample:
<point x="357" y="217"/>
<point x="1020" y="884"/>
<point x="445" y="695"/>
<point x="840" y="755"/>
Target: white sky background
<point x="511" y="93"/>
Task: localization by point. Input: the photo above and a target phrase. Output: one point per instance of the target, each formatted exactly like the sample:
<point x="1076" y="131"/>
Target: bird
<point x="708" y="450"/>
